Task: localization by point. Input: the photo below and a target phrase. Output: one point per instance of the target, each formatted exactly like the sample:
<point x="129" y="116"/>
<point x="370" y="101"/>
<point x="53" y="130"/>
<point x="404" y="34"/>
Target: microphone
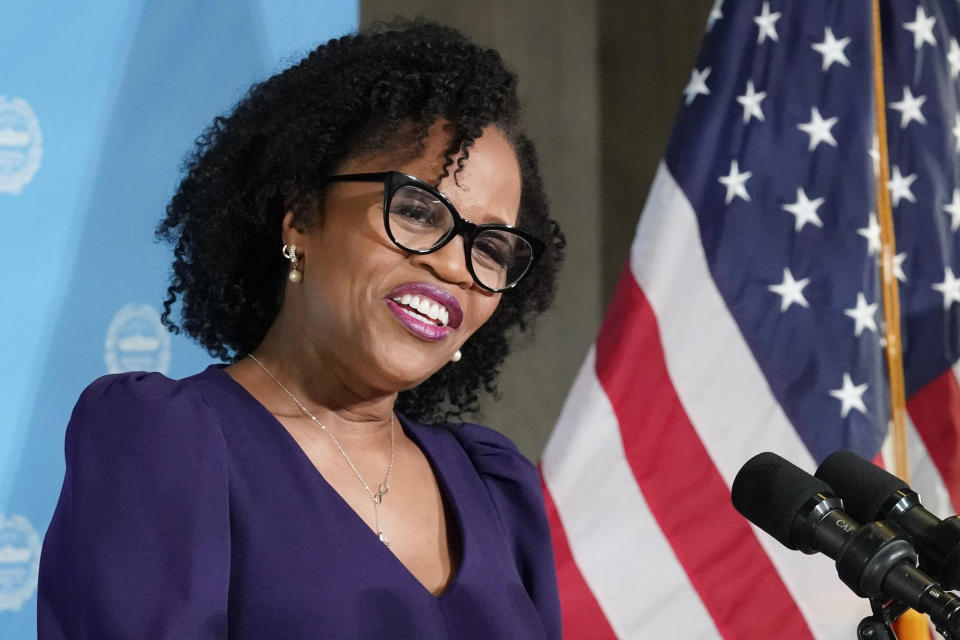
<point x="875" y="560"/>
<point x="870" y="493"/>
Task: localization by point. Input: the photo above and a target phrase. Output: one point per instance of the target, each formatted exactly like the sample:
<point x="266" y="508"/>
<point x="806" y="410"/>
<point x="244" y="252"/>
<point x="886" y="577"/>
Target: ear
<point x="291" y="231"/>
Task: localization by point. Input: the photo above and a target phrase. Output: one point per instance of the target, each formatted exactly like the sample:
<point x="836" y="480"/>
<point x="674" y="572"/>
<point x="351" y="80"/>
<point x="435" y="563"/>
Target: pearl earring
<point x="456" y="356"/>
<point x="290" y="253"/>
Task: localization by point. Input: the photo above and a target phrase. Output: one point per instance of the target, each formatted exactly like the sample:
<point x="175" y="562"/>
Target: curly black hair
<point x="377" y="89"/>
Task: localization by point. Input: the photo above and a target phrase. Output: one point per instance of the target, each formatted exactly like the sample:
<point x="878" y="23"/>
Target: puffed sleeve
<point x="514" y="486"/>
<point x="139" y="544"/>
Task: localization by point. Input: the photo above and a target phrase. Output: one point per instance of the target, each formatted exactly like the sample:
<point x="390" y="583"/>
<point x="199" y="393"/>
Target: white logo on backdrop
<point x="19" y="561"/>
<point x="137" y="341"/>
<point x="21" y="144"/>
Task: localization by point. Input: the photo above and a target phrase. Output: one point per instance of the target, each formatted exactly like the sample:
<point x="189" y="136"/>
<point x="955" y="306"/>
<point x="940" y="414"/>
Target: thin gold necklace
<point x="377" y="497"/>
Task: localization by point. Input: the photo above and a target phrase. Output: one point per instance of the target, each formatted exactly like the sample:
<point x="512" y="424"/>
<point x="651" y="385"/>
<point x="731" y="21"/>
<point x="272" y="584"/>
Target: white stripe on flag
<point x="723" y="390"/>
<point x="620" y="551"/>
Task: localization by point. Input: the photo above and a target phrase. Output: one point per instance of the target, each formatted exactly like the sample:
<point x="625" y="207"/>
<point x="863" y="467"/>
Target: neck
<point x="336" y="398"/>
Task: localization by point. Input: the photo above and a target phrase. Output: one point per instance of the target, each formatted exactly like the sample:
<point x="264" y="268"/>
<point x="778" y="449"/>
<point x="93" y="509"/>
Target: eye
<point x="416" y="208"/>
<point x="492" y="248"/>
<point x="414" y="212"/>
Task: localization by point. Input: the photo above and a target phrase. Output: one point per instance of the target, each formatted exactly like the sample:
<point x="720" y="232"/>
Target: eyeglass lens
<point x="418" y="221"/>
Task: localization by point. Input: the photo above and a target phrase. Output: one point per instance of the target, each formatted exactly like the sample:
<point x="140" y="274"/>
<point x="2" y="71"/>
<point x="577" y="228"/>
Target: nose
<point x="449" y="263"/>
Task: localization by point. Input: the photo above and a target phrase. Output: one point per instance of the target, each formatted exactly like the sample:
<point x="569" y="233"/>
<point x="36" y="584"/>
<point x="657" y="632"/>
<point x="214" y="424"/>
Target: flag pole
<point x="912" y="625"/>
<point x="891" y="294"/>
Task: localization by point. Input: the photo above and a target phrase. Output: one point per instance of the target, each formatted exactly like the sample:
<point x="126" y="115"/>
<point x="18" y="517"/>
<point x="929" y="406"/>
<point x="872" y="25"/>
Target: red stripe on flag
<point x="582" y="616"/>
<point x="724" y="561"/>
<point x="935" y="411"/>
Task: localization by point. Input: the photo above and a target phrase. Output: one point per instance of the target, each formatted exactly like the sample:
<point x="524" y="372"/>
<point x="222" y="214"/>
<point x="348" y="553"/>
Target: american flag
<point x="749" y="319"/>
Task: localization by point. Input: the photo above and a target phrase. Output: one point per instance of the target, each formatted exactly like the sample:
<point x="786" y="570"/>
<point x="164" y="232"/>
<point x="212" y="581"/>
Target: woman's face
<point x="353" y="304"/>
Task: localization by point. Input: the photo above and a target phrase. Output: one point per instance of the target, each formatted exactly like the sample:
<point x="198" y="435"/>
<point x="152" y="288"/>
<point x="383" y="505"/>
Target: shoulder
<point x="143" y="516"/>
<point x="142" y="410"/>
<point x="510" y="478"/>
<point x="495" y="456"/>
<point x="138" y="388"/>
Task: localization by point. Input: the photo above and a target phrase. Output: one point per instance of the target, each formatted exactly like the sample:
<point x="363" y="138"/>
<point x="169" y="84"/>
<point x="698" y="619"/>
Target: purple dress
<point x="188" y="511"/>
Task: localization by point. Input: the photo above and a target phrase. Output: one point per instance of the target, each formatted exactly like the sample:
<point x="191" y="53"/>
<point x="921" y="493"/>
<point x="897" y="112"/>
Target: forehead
<point x="486" y="190"/>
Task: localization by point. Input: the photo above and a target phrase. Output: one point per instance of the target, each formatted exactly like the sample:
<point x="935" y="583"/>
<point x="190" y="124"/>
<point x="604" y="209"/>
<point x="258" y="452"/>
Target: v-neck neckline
<point x="412" y="430"/>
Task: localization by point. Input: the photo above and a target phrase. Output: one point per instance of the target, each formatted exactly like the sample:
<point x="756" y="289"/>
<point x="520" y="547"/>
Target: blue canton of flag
<point x="776" y="150"/>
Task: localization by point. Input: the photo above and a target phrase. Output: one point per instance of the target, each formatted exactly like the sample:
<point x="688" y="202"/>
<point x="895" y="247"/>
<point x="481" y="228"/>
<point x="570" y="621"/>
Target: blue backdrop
<point x="98" y="107"/>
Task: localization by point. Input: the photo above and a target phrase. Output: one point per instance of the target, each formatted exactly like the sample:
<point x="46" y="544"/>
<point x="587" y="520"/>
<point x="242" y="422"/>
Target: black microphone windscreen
<point x="863" y="486"/>
<point x="770" y="491"/>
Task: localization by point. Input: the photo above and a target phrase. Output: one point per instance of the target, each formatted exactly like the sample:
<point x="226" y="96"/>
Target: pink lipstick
<point x="426" y="310"/>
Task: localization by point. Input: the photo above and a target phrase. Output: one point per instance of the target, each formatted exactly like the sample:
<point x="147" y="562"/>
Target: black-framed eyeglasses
<point x="420" y="219"/>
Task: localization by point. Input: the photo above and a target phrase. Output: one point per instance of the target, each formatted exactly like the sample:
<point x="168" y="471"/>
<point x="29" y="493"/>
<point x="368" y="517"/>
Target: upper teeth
<point x="427" y="307"/>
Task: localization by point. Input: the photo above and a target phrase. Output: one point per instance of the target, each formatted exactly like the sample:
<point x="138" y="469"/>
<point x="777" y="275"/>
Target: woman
<point x="359" y="238"/>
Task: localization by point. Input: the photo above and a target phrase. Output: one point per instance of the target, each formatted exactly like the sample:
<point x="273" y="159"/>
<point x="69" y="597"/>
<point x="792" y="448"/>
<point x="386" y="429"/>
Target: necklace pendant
<point x="378" y="496"/>
<point x="383" y="539"/>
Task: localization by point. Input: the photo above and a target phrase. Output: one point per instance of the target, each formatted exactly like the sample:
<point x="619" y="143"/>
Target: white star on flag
<point x="898" y="261"/>
<point x="922" y="28"/>
<point x="954" y="58"/>
<point x="790" y="291"/>
<point x="850" y="396"/>
<point x="805" y="210"/>
<point x="909" y="108"/>
<point x="697" y="85"/>
<point x="864" y="315"/>
<point x="950" y="288"/>
<point x="954" y="210"/>
<point x="956" y="131"/>
<point x="872" y="233"/>
<point x="736" y="183"/>
<point x="899" y="186"/>
<point x="766" y="22"/>
<point x="819" y="129"/>
<point x="751" y="103"/>
<point x="716" y="13"/>
<point x="832" y="49"/>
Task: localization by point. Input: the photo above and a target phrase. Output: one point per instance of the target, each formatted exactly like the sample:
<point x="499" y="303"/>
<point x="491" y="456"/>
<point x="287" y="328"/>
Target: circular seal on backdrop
<point x="21" y="144"/>
<point x="19" y="561"/>
<point x="137" y="341"/>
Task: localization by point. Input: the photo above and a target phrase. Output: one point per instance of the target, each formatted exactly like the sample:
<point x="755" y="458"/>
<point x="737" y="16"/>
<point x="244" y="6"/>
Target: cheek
<point x="484" y="309"/>
<point x="357" y="261"/>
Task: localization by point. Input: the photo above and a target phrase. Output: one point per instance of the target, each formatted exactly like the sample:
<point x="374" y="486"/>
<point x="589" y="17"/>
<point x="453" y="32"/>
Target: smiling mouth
<point x="423" y="309"/>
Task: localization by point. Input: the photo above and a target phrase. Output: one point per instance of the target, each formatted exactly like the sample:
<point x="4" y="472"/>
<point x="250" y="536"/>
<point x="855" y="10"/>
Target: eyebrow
<point x="498" y="219"/>
<point x="502" y="220"/>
